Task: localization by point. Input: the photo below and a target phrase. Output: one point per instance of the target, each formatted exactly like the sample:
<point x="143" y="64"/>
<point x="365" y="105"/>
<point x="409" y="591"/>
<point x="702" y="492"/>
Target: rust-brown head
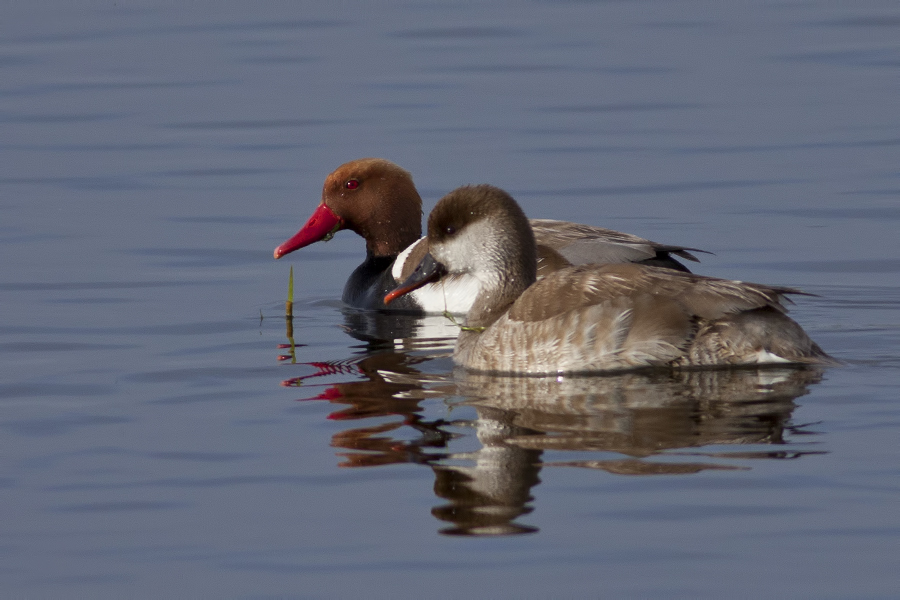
<point x="371" y="196"/>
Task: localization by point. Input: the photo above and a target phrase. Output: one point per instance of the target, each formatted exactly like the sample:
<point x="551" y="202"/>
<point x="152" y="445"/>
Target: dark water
<point x="156" y="443"/>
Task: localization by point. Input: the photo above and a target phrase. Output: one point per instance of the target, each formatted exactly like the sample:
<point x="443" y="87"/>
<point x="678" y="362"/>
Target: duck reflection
<point x="635" y="415"/>
<point x="391" y="387"/>
<point x="486" y="495"/>
<point x="641" y="415"/>
<point x="400" y="330"/>
<point x="649" y="423"/>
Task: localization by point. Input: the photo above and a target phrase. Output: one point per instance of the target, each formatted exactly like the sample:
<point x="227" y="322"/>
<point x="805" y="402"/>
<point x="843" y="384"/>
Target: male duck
<point x="377" y="199"/>
<point x="593" y="318"/>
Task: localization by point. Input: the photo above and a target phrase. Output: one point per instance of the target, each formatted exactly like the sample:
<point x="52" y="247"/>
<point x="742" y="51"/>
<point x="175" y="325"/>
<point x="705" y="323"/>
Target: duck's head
<point x="478" y="231"/>
<point x="370" y="196"/>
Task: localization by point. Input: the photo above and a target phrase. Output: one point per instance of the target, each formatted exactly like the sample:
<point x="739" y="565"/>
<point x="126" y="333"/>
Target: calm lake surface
<point x="160" y="437"/>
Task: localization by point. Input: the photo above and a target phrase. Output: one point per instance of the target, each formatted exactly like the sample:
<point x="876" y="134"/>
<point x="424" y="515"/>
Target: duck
<point x="377" y="199"/>
<point x="593" y="318"/>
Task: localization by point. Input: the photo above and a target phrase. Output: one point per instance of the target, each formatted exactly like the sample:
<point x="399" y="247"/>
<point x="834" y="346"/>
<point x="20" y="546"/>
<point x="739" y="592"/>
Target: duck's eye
<point x="351" y="184"/>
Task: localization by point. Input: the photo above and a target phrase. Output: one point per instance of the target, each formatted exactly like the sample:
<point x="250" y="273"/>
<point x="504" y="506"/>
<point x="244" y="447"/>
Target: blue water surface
<point x="164" y="434"/>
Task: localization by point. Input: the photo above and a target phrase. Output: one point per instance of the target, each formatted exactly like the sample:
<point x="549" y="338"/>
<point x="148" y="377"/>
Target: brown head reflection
<point x="390" y="388"/>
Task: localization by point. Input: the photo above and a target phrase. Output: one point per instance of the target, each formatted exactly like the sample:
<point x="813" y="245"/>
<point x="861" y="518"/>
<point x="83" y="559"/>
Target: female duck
<point x="593" y="318"/>
<point x="378" y="200"/>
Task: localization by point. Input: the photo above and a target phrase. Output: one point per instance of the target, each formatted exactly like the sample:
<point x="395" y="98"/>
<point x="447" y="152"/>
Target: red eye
<point x="352" y="184"/>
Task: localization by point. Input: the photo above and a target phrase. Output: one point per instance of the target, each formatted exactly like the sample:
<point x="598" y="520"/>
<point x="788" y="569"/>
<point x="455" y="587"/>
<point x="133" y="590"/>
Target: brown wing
<point x="575" y="288"/>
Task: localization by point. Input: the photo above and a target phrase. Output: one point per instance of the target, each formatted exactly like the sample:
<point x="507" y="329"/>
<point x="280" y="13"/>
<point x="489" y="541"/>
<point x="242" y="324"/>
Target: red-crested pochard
<point x="377" y="199"/>
<point x="593" y="318"/>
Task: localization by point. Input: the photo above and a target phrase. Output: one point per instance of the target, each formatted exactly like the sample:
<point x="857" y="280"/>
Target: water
<point x="157" y="442"/>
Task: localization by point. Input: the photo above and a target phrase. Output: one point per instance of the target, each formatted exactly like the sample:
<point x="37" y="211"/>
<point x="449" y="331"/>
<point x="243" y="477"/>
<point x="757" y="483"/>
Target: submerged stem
<point x="289" y="315"/>
<point x="460" y="325"/>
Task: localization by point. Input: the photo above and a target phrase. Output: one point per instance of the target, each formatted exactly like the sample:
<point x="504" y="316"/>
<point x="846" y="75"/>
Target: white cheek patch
<point x="472" y="252"/>
<point x="455" y="294"/>
<point x="471" y="261"/>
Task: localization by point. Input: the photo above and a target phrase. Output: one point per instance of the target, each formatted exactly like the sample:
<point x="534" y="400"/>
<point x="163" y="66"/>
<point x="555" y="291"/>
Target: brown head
<point x="371" y="196"/>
